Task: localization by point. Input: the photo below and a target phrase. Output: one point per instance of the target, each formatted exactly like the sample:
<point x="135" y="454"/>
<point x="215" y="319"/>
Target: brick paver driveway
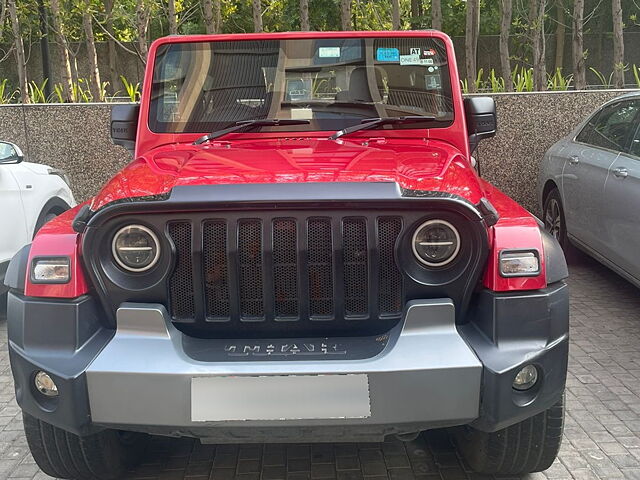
<point x="602" y="434"/>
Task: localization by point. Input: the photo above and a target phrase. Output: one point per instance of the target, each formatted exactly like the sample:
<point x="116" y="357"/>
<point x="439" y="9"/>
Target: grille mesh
<point x="285" y="268"/>
<point x="281" y="268"/>
<point x="181" y="281"/>
<point x="216" y="271"/>
<point x="390" y="279"/>
<point x="356" y="266"/>
<point x="320" y="248"/>
<point x="250" y="258"/>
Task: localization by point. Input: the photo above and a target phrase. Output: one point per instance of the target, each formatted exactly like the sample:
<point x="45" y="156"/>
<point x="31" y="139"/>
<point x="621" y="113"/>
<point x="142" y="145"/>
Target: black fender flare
<point x="554" y="259"/>
<point x="16" y="275"/>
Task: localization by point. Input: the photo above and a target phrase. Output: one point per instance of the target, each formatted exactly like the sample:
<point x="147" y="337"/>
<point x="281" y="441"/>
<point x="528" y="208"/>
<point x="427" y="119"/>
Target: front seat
<point x="359" y="90"/>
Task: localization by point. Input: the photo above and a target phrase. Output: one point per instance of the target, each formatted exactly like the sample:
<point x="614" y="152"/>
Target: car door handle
<point x="574" y="159"/>
<point x="621" y="172"/>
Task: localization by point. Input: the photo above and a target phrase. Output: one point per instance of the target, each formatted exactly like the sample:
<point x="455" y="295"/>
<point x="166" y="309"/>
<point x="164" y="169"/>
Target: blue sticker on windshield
<point x="388" y="55"/>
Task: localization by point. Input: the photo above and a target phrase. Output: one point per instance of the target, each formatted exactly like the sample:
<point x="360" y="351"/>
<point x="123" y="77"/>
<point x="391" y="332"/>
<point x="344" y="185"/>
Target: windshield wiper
<point x="369" y="123"/>
<point x="249" y="124"/>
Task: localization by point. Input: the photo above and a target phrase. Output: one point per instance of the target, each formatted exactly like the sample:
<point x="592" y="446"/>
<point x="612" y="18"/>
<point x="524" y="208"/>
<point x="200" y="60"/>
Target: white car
<point x="30" y="195"/>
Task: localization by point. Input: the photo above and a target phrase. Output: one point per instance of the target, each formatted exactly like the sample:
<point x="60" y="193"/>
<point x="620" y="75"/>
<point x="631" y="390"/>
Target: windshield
<point x="334" y="83"/>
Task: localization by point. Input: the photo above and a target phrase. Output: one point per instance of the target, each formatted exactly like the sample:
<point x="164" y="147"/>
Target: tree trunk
<point x="304" y="15"/>
<point x="471" y="42"/>
<point x="142" y="24"/>
<point x="111" y="45"/>
<point x="3" y="15"/>
<point x="436" y="14"/>
<point x="618" y="44"/>
<point x="578" y="53"/>
<point x="257" y="16"/>
<point x="395" y="14"/>
<point x="506" y="14"/>
<point x="212" y="16"/>
<point x="345" y="14"/>
<point x="560" y="34"/>
<point x="536" y="27"/>
<point x="94" y="72"/>
<point x="19" y="52"/>
<point x="65" y="63"/>
<point x="416" y="14"/>
<point x="173" y="19"/>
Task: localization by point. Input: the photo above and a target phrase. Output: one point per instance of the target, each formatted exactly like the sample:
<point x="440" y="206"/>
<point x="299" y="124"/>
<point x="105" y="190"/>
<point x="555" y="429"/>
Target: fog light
<point x="45" y="384"/>
<point x="526" y="378"/>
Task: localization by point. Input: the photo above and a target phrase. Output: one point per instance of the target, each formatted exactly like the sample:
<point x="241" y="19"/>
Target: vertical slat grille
<point x="181" y="281"/>
<point x="356" y="267"/>
<point x="291" y="269"/>
<point x="250" y="258"/>
<point x="285" y="268"/>
<point x="216" y="271"/>
<point x="320" y="252"/>
<point x="390" y="278"/>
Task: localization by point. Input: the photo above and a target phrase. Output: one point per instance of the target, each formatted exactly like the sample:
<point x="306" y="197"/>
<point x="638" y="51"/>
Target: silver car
<point x="589" y="187"/>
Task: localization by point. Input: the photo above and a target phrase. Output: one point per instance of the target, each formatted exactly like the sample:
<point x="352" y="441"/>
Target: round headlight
<point x="136" y="248"/>
<point x="436" y="243"/>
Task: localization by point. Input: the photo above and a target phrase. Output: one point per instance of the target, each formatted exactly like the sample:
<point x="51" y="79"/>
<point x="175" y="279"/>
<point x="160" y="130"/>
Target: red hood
<point x="415" y="164"/>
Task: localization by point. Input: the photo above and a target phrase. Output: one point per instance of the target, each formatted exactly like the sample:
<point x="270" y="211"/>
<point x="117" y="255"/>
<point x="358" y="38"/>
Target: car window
<point x="634" y="149"/>
<point x="612" y="126"/>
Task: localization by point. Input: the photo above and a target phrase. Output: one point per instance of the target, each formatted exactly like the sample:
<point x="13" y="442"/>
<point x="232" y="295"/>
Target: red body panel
<point x="418" y="159"/>
<point x="57" y="238"/>
<point x="414" y="163"/>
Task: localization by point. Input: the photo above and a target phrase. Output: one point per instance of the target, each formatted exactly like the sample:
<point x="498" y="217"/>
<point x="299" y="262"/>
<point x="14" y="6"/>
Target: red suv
<point x="301" y="250"/>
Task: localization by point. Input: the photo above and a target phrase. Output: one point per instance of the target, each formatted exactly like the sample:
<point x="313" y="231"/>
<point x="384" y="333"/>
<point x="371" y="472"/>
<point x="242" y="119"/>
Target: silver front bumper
<point x="427" y="376"/>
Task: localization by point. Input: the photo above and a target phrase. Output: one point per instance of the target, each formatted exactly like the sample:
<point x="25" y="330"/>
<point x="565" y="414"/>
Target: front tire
<point x="526" y="447"/>
<point x="106" y="455"/>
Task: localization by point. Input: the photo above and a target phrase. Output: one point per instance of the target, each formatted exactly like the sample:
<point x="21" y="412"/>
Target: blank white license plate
<point x="291" y="397"/>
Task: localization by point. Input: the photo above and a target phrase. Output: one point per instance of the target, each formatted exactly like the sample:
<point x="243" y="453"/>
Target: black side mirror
<point x="124" y="125"/>
<point x="482" y="122"/>
<point x="10" y="153"/>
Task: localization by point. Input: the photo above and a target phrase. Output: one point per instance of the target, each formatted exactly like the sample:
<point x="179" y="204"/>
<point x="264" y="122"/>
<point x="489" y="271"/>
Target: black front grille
<point x="286" y="271"/>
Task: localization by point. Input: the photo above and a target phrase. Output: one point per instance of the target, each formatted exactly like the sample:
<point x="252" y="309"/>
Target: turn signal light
<point x="51" y="270"/>
<point x="519" y="263"/>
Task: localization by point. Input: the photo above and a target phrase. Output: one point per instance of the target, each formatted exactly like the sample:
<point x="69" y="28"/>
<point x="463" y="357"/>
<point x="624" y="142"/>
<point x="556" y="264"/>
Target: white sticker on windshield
<point x="426" y="61"/>
<point x="409" y="59"/>
<point x="329" y="52"/>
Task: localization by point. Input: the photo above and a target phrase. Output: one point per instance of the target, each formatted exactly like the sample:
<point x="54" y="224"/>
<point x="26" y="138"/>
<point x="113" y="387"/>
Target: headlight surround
<point x="436" y="243"/>
<point x="135" y="248"/>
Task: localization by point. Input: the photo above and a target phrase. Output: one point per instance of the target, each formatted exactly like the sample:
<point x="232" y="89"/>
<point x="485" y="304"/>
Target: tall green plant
<point x="496" y="82"/>
<point x="522" y="79"/>
<point x="558" y="81"/>
<point x="37" y="91"/>
<point x="133" y="91"/>
<point x="636" y="75"/>
<point x="604" y="81"/>
<point x="6" y="94"/>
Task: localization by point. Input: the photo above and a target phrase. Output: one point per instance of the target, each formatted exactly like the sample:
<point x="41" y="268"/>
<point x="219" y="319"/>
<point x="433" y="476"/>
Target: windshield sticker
<point x="388" y="55"/>
<point x="415" y="51"/>
<point x="430" y="53"/>
<point x="410" y="60"/>
<point x="329" y="52"/>
<point x="426" y="61"/>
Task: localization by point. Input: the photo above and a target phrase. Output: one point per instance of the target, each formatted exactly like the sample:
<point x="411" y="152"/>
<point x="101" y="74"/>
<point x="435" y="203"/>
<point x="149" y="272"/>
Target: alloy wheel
<point x="553" y="219"/>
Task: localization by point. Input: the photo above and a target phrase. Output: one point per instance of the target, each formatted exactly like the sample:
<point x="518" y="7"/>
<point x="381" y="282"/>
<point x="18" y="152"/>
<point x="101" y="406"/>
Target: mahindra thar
<point x="302" y="250"/>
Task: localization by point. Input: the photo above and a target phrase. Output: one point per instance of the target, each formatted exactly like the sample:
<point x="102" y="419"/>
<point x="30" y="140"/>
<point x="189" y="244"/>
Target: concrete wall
<point x="76" y="138"/>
